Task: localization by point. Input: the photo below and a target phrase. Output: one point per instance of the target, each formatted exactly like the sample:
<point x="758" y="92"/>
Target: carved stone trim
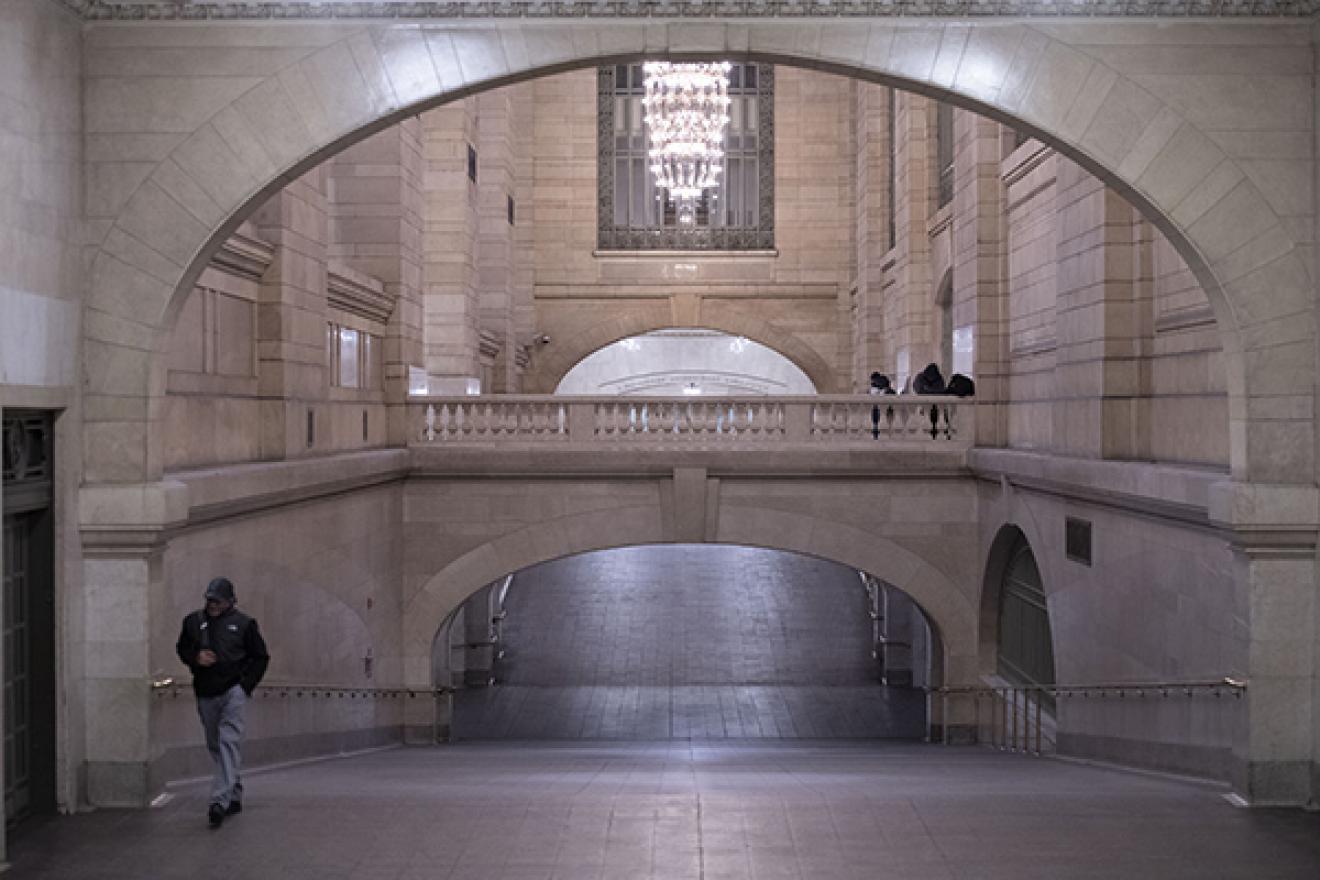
<point x="1199" y="315"/>
<point x="614" y="238"/>
<point x="358" y="296"/>
<point x="244" y="256"/>
<point x="131" y="11"/>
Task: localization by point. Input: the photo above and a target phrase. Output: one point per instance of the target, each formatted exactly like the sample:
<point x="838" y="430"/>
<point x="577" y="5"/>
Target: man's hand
<point x="206" y="657"/>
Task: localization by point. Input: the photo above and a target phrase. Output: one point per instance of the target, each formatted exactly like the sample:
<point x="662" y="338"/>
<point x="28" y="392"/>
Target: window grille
<point x="632" y="214"/>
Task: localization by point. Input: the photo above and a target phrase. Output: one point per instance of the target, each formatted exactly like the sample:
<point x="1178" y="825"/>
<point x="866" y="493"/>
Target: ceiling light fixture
<point x="686" y="109"/>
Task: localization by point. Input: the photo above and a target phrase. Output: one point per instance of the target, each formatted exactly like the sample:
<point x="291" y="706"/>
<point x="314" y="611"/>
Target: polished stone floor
<point x="716" y="811"/>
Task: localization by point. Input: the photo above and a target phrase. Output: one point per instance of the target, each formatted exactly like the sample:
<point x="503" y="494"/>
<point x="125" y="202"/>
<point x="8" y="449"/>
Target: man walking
<point x="224" y="649"/>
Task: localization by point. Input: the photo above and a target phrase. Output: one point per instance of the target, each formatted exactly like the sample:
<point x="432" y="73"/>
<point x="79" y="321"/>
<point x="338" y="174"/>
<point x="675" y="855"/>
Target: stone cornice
<point x="132" y="11"/>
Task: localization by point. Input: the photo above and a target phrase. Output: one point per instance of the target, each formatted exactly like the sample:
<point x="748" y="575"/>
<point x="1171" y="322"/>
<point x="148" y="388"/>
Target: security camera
<point x="545" y="339"/>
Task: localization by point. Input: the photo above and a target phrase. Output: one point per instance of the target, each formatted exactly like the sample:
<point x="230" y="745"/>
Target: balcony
<point x="818" y="431"/>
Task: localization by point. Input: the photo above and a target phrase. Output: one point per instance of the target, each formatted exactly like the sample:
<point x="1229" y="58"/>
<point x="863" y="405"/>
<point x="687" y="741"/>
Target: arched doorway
<point x="1025" y="640"/>
<point x="689" y="641"/>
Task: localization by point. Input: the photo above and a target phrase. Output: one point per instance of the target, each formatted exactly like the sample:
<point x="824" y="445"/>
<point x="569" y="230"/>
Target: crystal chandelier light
<point x="686" y="108"/>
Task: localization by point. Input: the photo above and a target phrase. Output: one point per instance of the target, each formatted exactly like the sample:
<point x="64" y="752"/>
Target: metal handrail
<point x="1233" y="685"/>
<point x="1018" y="716"/>
<point x="163" y="686"/>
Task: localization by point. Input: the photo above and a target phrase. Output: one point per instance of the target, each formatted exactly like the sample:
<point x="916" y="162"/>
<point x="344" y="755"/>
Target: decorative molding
<point x="132" y="11"/>
<point x="1185" y="318"/>
<point x="358" y="295"/>
<point x="244" y="256"/>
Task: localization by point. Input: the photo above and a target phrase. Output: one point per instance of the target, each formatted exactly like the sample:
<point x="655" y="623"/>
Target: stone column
<point x="376" y="228"/>
<point x="291" y="319"/>
<point x="123" y="530"/>
<point x="496" y="142"/>
<point x="1275" y="527"/>
<point x="872" y="194"/>
<point x="1099" y="376"/>
<point x="980" y="271"/>
<point x="449" y="282"/>
<point x="907" y="316"/>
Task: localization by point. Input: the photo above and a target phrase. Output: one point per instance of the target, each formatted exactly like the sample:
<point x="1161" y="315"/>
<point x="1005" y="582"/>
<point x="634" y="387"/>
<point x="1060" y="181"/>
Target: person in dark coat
<point x="227" y="655"/>
<point x="880" y="384"/>
<point x="928" y="381"/>
<point x="961" y="386"/>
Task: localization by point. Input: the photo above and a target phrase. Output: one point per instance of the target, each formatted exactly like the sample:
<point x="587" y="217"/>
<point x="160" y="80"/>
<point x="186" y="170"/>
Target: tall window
<point x="737" y="215"/>
<point x="354" y="358"/>
<point x="944" y="153"/>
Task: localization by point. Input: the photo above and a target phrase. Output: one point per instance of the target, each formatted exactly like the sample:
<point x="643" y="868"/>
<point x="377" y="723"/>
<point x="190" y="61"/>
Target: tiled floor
<point x="869" y="711"/>
<point x="687" y="641"/>
<point x="808" y="811"/>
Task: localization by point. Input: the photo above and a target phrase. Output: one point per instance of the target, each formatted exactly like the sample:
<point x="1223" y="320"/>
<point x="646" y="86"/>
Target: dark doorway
<point x="28" y="614"/>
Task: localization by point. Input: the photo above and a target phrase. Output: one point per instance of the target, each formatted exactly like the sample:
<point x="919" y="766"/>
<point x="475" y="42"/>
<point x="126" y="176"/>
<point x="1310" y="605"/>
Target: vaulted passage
<point x="690" y="641"/>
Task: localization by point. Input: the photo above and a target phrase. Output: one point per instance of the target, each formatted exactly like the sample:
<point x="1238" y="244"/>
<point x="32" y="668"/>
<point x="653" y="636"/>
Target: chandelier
<point x="686" y="107"/>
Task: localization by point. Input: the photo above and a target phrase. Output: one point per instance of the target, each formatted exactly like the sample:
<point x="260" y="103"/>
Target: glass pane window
<point x="635" y="214"/>
<point x="354" y="358"/>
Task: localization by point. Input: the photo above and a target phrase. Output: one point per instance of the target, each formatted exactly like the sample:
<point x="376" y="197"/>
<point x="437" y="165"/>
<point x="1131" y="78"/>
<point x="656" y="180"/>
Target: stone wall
<point x="41" y="301"/>
<point x="585" y="299"/>
<point x="1158" y="601"/>
<point x="326" y="598"/>
<point x="1084" y="329"/>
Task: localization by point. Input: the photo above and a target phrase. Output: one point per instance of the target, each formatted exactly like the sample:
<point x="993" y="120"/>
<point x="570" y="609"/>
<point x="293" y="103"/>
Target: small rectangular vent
<point x="311" y="429"/>
<point x="472" y="163"/>
<point x="1077" y="540"/>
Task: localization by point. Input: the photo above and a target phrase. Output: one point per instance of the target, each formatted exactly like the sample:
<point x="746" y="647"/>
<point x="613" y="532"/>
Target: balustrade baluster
<point x="446" y="421"/>
<point x="429" y="431"/>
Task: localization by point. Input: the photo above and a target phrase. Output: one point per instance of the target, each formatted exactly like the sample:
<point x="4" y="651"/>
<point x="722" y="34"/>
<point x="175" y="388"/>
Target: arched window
<point x="1026" y="649"/>
<point x="944" y="315"/>
<point x="686" y="361"/>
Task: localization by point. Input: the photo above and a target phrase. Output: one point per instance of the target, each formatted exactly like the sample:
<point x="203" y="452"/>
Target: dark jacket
<point x="960" y="386"/>
<point x="928" y="381"/>
<point x="240" y="651"/>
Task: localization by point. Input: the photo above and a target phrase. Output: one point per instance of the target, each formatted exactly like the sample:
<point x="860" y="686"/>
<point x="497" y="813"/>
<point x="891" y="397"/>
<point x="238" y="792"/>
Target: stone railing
<point x="857" y="420"/>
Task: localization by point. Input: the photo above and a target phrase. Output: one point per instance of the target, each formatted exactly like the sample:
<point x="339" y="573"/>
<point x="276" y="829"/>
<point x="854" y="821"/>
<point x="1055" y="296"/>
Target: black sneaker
<point x="234" y="807"/>
<point x="215" y="814"/>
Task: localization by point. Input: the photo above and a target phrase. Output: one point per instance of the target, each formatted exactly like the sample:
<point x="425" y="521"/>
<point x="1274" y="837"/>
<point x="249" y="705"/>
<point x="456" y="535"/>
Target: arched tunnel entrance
<point x="688" y="642"/>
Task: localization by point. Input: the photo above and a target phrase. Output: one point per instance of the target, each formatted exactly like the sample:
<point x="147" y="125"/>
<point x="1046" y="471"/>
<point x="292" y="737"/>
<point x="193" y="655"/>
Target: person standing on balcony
<point x="929" y="381"/>
<point x="224" y="649"/>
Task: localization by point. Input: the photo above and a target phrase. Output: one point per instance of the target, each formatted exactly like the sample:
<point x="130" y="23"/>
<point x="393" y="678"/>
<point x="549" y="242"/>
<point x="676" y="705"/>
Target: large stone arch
<point x="951" y="612"/>
<point x="548" y="369"/>
<point x="220" y="116"/>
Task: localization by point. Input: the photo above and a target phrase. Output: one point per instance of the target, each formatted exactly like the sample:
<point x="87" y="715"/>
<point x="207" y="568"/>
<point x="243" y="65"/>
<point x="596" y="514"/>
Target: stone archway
<point x="549" y="370"/>
<point x="203" y="149"/>
<point x="952" y="613"/>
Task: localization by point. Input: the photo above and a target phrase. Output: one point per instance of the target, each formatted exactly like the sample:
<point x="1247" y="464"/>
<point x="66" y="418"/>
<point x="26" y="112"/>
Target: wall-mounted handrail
<point x="169" y="687"/>
<point x="1019" y="721"/>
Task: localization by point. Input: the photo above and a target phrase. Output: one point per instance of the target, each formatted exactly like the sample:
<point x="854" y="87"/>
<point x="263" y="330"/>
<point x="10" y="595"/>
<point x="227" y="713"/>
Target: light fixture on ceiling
<point x="686" y="109"/>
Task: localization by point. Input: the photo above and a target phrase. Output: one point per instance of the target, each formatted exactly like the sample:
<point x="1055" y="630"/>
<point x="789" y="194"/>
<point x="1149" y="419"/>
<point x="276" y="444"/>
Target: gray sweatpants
<point x="222" y="719"/>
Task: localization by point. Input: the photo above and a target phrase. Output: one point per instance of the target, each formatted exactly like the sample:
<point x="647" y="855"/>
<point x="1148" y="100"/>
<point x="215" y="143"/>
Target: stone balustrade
<point x="753" y="422"/>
